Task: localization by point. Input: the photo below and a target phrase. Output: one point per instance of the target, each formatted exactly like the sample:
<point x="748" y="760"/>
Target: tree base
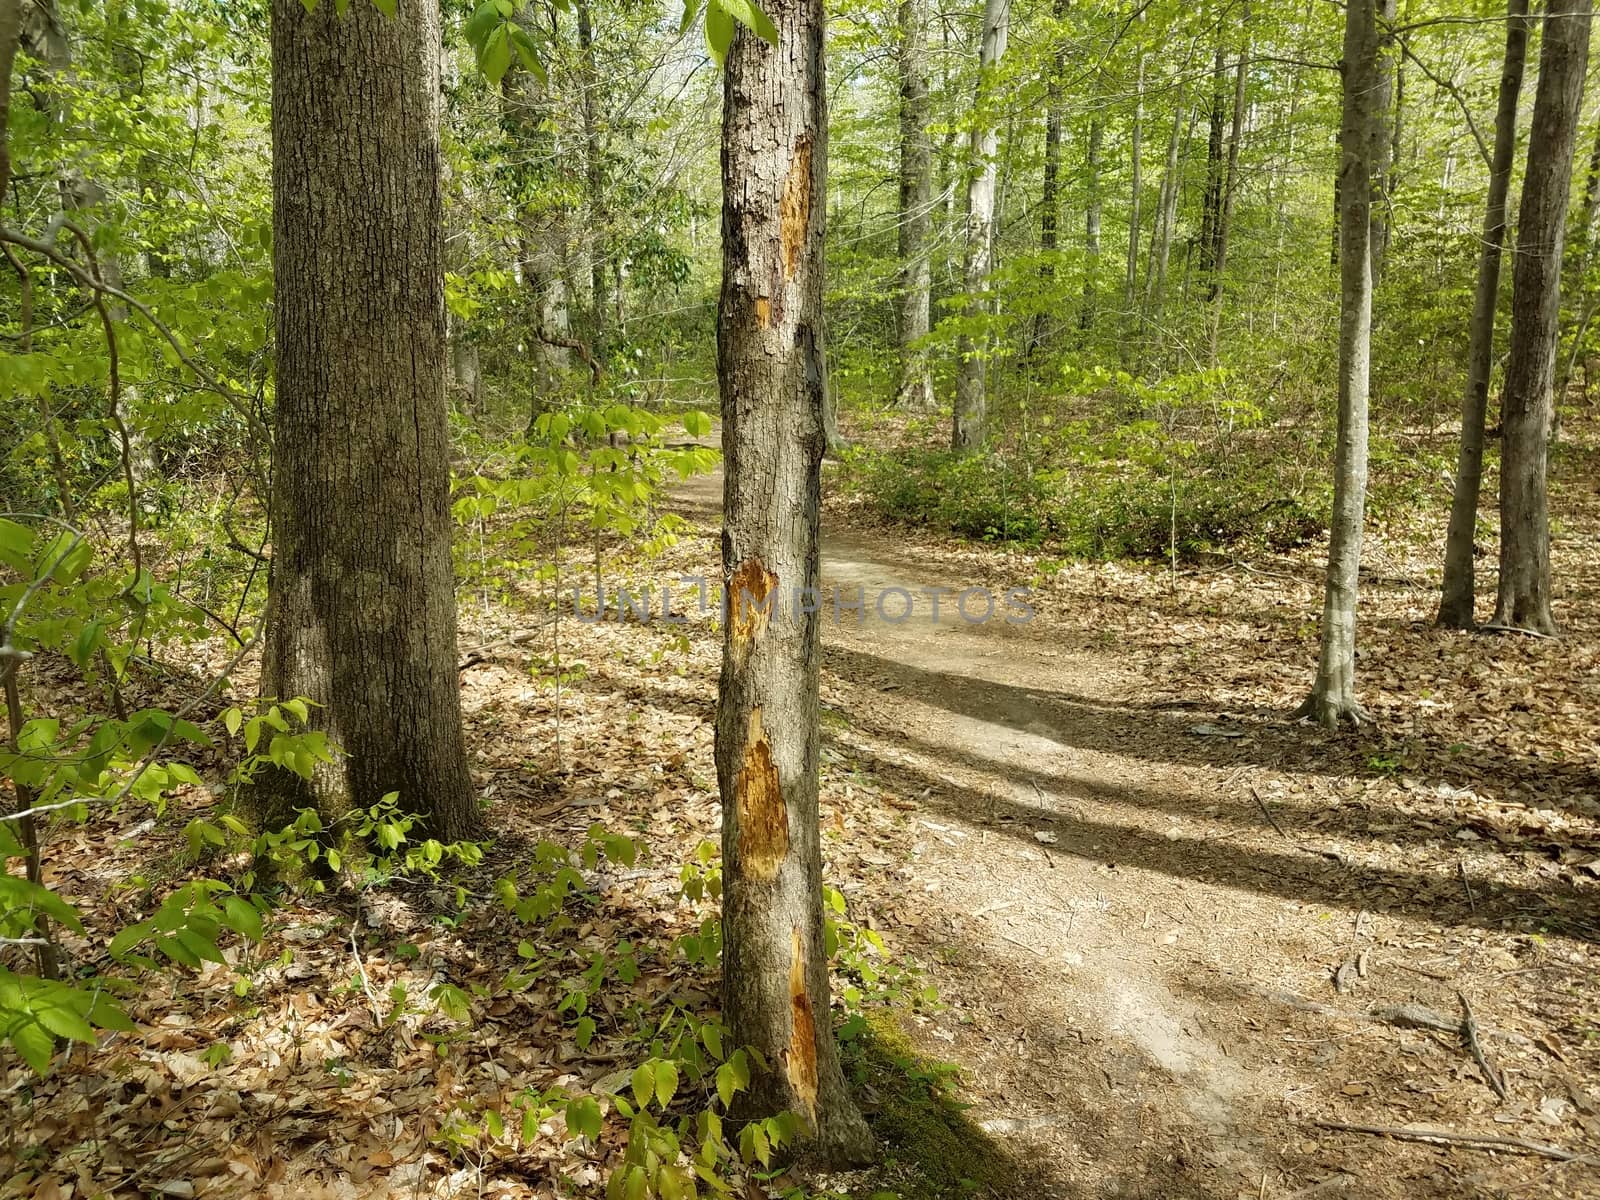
<point x="1332" y="712"/>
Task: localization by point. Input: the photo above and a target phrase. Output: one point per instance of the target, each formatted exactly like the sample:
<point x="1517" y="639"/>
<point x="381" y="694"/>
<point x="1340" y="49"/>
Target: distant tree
<point x="1526" y="409"/>
<point x="771" y="370"/>
<point x="361" y="614"/>
<point x="1333" y="694"/>
<point x="915" y="390"/>
<point x="970" y="419"/>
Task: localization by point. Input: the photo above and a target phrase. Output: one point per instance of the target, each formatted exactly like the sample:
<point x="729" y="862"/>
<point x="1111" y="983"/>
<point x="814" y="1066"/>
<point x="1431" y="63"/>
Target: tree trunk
<point x="361" y="615"/>
<point x="1384" y="134"/>
<point x="770" y="366"/>
<point x="1333" y="695"/>
<point x="1183" y="119"/>
<point x="1524" y="597"/>
<point x="1579" y="255"/>
<point x="1091" y="227"/>
<point x="1230" y="191"/>
<point x="594" y="184"/>
<point x="1211" y="202"/>
<point x="1458" y="592"/>
<point x="968" y="425"/>
<point x="1135" y="151"/>
<point x="1050" y="192"/>
<point x="915" y="390"/>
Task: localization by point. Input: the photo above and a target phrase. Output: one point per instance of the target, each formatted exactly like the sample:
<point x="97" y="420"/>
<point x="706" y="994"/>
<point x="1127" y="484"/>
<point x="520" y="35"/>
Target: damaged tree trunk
<point x="772" y="375"/>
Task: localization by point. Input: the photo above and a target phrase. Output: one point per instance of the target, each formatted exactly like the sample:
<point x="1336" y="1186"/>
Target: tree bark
<point x="770" y="366"/>
<point x="1458" y="591"/>
<point x="1333" y="695"/>
<point x="1526" y="410"/>
<point x="1155" y="292"/>
<point x="361" y="614"/>
<point x="915" y="389"/>
<point x="968" y="426"/>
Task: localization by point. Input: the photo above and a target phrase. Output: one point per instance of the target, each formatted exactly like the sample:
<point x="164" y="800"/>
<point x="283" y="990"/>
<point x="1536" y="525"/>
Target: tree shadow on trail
<point x="1158" y="732"/>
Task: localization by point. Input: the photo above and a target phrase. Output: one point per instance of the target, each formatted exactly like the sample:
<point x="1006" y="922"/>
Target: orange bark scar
<point x="763" y="817"/>
<point x="763" y="312"/>
<point x="794" y="212"/>
<point x="750" y="602"/>
<point x="800" y="1059"/>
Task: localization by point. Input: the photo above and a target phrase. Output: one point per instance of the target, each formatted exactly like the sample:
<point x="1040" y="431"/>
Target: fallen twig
<point x="1267" y="812"/>
<point x="1469" y="1031"/>
<point x="1480" y="1141"/>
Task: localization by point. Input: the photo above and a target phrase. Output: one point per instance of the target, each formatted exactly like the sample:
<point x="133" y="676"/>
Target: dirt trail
<point x="1137" y="964"/>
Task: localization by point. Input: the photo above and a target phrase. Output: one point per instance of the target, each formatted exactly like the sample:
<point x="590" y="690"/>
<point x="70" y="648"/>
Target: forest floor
<point x="1173" y="934"/>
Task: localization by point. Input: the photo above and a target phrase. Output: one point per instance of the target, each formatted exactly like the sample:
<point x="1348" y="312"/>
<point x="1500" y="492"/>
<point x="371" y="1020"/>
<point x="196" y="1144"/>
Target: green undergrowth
<point x="1087" y="511"/>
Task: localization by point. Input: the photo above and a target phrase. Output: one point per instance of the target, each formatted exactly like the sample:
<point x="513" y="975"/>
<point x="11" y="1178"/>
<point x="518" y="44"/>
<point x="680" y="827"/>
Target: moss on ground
<point x="931" y="1149"/>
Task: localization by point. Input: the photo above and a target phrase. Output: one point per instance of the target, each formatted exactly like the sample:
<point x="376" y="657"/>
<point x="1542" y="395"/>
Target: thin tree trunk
<point x="771" y="369"/>
<point x="594" y="183"/>
<point x="969" y="421"/>
<point x="1333" y="695"/>
<point x="915" y="390"/>
<point x="1230" y="190"/>
<point x="1091" y="227"/>
<point x="1155" y="282"/>
<point x="1524" y="594"/>
<point x="1211" y="203"/>
<point x="1458" y="592"/>
<point x="1384" y="137"/>
<point x="361" y="614"/>
<point x="1050" y="191"/>
<point x="1135" y="151"/>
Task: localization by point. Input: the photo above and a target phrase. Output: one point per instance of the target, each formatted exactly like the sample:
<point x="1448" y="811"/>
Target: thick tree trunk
<point x="1526" y="411"/>
<point x="969" y="421"/>
<point x="361" y="616"/>
<point x="1091" y="227"/>
<point x="1130" y="284"/>
<point x="915" y="390"/>
<point x="771" y="369"/>
<point x="1458" y="592"/>
<point x="1333" y="695"/>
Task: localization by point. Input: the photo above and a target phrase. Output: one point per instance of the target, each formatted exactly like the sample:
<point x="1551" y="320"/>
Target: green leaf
<point x="35" y="1045"/>
<point x="711" y="1038"/>
<point x="242" y="917"/>
<point x="481" y="23"/>
<point x="16" y="546"/>
<point x="496" y="57"/>
<point x="63" y="1021"/>
<point x="691" y="10"/>
<point x="386" y="7"/>
<point x="749" y="14"/>
<point x="583" y="1117"/>
<point x="666" y="1082"/>
<point x="584" y="1033"/>
<point x="644" y="1084"/>
<point x="719" y="31"/>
